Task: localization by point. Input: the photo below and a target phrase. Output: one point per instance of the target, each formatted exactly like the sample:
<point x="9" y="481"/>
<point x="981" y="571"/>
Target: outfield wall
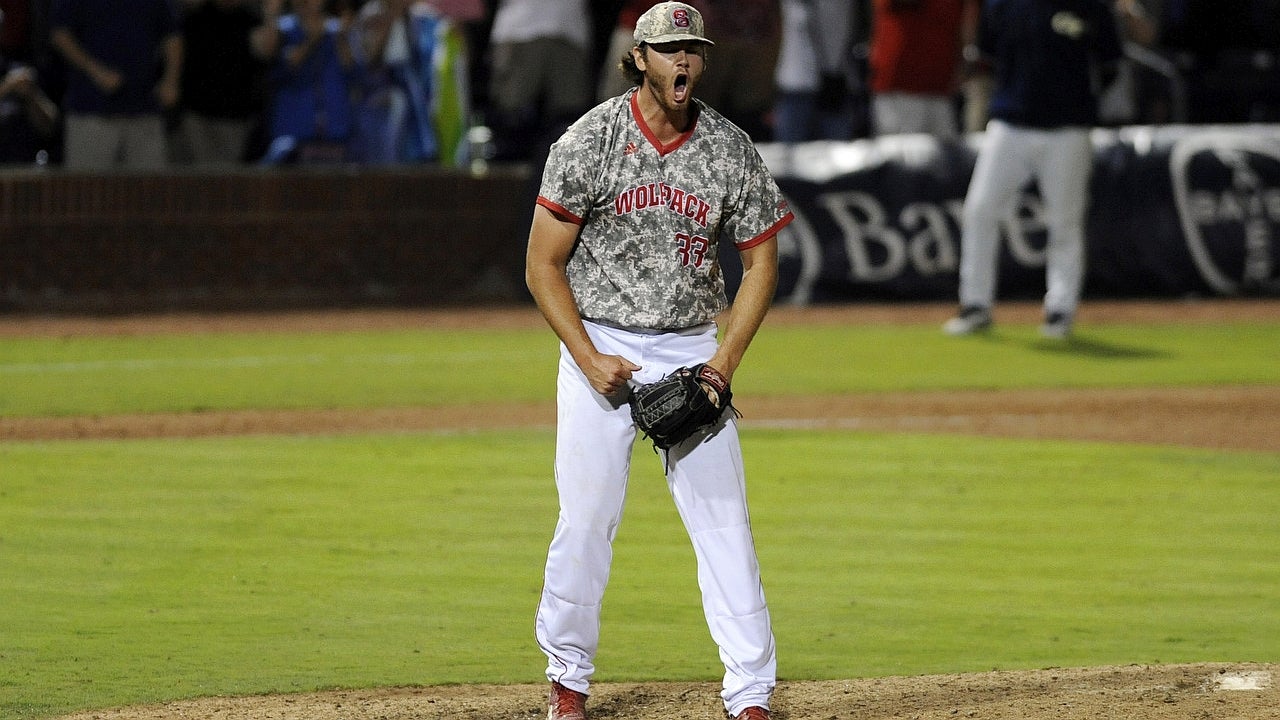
<point x="1178" y="210"/>
<point x="266" y="239"/>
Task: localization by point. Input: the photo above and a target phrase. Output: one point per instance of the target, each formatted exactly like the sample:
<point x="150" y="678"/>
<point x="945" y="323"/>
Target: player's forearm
<point x="551" y="293"/>
<point x="551" y="240"/>
<point x="750" y="306"/>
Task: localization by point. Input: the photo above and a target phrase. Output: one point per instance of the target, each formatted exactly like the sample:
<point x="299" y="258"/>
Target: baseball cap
<point x="670" y="22"/>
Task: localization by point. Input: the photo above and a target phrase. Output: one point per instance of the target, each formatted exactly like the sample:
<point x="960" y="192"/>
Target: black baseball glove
<point x="669" y="410"/>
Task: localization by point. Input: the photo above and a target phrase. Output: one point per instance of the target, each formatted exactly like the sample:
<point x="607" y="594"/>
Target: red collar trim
<point x="653" y="139"/>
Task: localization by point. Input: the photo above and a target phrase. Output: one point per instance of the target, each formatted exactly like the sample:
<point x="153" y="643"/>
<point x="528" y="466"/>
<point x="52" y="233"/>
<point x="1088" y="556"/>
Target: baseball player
<point x="636" y="200"/>
<point x="1048" y="56"/>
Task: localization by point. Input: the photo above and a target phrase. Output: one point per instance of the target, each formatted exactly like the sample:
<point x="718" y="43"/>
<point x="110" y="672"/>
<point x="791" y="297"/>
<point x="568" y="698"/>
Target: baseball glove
<point x="669" y="410"/>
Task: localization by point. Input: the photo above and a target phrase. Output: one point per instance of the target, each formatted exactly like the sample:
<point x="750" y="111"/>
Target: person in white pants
<point x="636" y="199"/>
<point x="706" y="479"/>
<point x="1061" y="159"/>
<point x="1047" y="56"/>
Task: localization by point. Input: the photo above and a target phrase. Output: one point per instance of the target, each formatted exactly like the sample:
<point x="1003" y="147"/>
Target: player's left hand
<point x="672" y="409"/>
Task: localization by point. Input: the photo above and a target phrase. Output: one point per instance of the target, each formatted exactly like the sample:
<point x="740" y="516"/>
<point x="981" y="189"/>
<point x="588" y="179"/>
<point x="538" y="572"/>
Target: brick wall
<point x="260" y="239"/>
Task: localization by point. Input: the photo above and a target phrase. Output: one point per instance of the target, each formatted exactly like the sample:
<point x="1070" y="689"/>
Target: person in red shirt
<point x="915" y="65"/>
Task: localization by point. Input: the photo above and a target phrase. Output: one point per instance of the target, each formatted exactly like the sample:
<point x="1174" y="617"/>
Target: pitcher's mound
<point x="1134" y="692"/>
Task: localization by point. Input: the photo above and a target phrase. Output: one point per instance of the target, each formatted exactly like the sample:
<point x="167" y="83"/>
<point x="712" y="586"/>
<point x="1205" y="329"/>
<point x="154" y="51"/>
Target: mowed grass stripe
<point x="433" y="367"/>
<point x="140" y="571"/>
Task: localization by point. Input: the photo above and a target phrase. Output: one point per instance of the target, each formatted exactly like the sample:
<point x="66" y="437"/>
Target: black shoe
<point x="972" y="319"/>
<point x="1057" y="326"/>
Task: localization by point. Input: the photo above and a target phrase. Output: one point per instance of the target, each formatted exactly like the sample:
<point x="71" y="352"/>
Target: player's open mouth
<point x="681" y="89"/>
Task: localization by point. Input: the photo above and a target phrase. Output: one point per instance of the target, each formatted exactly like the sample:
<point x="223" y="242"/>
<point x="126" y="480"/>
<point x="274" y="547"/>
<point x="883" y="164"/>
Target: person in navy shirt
<point x="1050" y="58"/>
<point x="124" y="62"/>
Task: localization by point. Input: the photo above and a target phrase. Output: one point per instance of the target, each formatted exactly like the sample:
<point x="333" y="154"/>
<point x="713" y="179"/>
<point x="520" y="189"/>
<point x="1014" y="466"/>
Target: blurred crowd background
<point x="101" y="84"/>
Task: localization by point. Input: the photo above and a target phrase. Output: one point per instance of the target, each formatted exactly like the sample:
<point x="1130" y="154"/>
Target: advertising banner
<point x="1174" y="211"/>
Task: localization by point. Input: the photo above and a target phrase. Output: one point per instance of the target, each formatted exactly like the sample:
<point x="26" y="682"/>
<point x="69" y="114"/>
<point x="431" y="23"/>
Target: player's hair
<point x="627" y="65"/>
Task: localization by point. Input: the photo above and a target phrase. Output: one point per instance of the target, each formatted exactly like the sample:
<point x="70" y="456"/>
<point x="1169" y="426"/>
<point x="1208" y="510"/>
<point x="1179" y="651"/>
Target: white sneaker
<point x="1057" y="326"/>
<point x="972" y="319"/>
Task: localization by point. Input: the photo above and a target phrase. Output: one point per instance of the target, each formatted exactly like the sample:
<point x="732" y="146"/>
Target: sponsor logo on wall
<point x="1227" y="192"/>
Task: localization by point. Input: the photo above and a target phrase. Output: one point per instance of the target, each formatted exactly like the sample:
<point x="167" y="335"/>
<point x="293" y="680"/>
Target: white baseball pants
<point x="1061" y="160"/>
<point x="595" y="437"/>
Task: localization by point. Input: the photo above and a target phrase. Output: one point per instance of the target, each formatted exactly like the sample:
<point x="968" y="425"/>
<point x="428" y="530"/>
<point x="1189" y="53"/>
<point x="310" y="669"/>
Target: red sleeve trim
<point x="559" y="211"/>
<point x="773" y="230"/>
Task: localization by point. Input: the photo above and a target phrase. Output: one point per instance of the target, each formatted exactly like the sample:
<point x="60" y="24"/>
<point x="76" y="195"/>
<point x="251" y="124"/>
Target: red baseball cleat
<point x="566" y="704"/>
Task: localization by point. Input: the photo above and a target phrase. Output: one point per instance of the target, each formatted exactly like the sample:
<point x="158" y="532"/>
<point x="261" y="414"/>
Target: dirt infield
<point x="1245" y="418"/>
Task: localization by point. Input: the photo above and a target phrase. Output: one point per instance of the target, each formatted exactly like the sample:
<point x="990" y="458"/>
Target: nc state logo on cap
<point x="670" y="22"/>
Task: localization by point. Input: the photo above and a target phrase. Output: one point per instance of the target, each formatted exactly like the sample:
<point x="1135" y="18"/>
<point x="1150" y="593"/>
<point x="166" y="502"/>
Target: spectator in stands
<point x="739" y="77"/>
<point x="415" y="91"/>
<point x="114" y="53"/>
<point x="221" y="81"/>
<point x="915" y="66"/>
<point x="613" y="83"/>
<point x="541" y="74"/>
<point x="28" y="118"/>
<point x="312" y="83"/>
<point x="815" y="75"/>
<point x="1046" y="55"/>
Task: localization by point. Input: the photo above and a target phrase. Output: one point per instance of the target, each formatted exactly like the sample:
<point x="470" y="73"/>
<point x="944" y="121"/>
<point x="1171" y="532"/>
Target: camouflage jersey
<point x="651" y="217"/>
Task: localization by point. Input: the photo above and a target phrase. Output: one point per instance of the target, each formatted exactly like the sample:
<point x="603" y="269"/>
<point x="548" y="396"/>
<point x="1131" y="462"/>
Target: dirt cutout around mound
<point x="1137" y="692"/>
<point x="1234" y="418"/>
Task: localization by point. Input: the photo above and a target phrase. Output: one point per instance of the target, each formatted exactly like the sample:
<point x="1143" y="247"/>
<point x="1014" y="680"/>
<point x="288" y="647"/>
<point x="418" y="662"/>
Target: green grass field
<point x="146" y="570"/>
<point x="55" y="376"/>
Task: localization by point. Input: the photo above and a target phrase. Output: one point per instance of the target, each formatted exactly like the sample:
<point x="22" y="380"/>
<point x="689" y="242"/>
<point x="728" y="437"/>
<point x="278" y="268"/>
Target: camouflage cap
<point x="670" y="22"/>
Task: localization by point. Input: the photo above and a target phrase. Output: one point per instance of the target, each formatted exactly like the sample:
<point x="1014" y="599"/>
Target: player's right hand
<point x="609" y="373"/>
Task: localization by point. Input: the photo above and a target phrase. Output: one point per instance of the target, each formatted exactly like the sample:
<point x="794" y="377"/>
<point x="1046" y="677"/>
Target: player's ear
<point x="638" y="55"/>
